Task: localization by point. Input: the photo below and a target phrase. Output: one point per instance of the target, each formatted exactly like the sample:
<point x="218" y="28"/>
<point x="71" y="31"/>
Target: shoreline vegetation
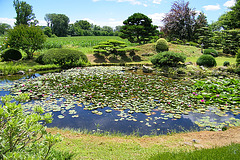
<point x="94" y="146"/>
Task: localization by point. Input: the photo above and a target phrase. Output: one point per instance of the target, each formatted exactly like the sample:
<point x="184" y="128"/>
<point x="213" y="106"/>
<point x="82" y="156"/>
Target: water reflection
<point x="128" y="124"/>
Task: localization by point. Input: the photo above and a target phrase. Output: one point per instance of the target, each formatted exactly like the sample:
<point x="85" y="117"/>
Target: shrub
<point x="210" y="51"/>
<point x="23" y="135"/>
<point x="161" y="45"/>
<point x="29" y="39"/>
<point x="238" y="57"/>
<point x="168" y="58"/>
<point x="206" y="60"/>
<point x="226" y="63"/>
<point x="11" y="54"/>
<point x="111" y="46"/>
<point x="63" y="57"/>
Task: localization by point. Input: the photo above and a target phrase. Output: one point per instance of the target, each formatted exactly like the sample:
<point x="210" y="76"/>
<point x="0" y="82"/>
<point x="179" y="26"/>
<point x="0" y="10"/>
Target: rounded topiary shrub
<point x="161" y="45"/>
<point x="210" y="51"/>
<point x="11" y="54"/>
<point x="168" y="58"/>
<point x="63" y="57"/>
<point x="206" y="60"/>
<point x="226" y="63"/>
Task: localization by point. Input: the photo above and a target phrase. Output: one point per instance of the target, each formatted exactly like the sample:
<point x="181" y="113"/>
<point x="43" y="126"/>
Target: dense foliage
<point x="23" y="135"/>
<point x="206" y="60"/>
<point x="114" y="47"/>
<point x="58" y="23"/>
<point x="168" y="58"/>
<point x="181" y="23"/>
<point x="161" y="45"/>
<point x="27" y="38"/>
<point x="238" y="57"/>
<point x="24" y="13"/>
<point x="63" y="57"/>
<point x="231" y="41"/>
<point x="47" y="31"/>
<point x="11" y="54"/>
<point x="138" y="28"/>
<point x="231" y="19"/>
<point x="211" y="51"/>
<point x="4" y="27"/>
<point x="226" y="63"/>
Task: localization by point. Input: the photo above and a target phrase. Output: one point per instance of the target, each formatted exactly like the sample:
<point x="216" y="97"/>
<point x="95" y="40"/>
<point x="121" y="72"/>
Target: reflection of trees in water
<point x="212" y="117"/>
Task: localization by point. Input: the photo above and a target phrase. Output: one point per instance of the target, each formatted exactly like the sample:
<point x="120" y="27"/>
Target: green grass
<point x="219" y="60"/>
<point x="231" y="152"/>
<point x="84" y="41"/>
<point x="10" y="68"/>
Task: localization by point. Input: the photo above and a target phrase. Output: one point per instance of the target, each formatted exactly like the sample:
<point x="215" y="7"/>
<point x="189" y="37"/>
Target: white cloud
<point x="212" y="7"/>
<point x="134" y="2"/>
<point x="95" y="0"/>
<point x="230" y="3"/>
<point x="42" y="23"/>
<point x="110" y="22"/>
<point x="157" y="18"/>
<point x="8" y="21"/>
<point x="157" y="1"/>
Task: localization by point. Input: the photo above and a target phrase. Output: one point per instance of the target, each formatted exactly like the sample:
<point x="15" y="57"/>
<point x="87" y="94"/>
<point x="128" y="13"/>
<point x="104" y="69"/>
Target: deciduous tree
<point x="179" y="22"/>
<point x="4" y="27"/>
<point x="24" y="12"/>
<point x="231" y="19"/>
<point x="58" y="23"/>
<point x="27" y="38"/>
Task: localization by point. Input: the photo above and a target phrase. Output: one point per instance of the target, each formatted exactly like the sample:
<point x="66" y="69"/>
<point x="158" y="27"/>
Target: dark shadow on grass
<point x="99" y="58"/>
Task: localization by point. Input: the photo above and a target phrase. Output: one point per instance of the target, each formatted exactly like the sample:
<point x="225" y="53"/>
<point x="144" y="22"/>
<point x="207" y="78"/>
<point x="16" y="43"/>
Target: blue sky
<point x="111" y="12"/>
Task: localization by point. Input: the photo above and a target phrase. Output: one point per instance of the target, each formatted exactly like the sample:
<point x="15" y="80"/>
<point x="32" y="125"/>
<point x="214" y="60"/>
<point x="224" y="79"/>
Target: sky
<point x="111" y="12"/>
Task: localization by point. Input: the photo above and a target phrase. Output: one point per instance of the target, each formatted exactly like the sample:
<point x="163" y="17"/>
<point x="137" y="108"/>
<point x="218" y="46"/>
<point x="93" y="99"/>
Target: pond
<point x="109" y="99"/>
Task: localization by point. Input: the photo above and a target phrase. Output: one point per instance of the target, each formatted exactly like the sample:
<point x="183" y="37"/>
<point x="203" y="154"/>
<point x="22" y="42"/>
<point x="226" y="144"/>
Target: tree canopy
<point x="24" y="12"/>
<point x="4" y="27"/>
<point x="138" y="28"/>
<point x="58" y="23"/>
<point x="231" y="19"/>
<point x="179" y="22"/>
<point x="27" y="38"/>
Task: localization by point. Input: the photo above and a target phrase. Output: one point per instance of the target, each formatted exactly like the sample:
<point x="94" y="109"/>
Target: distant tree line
<point x="181" y="25"/>
<point x="58" y="24"/>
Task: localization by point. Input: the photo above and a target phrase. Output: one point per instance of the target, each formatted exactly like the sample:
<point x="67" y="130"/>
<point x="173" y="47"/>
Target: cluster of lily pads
<point x="99" y="87"/>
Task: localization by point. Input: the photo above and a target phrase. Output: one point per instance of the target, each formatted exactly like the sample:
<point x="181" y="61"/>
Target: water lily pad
<point x="60" y="116"/>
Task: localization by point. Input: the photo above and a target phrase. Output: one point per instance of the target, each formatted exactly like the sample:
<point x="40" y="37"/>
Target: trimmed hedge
<point x="206" y="60"/>
<point x="11" y="54"/>
<point x="226" y="63"/>
<point x="64" y="57"/>
<point x="168" y="58"/>
<point x="210" y="51"/>
<point x="161" y="45"/>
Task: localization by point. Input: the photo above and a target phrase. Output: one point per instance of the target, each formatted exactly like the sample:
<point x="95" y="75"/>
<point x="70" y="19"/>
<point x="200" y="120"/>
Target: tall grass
<point x="82" y="41"/>
<point x="11" y="68"/>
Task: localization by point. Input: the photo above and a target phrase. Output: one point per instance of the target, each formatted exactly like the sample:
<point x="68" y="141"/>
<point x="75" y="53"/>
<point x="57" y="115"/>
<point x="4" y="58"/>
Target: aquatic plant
<point x="100" y="87"/>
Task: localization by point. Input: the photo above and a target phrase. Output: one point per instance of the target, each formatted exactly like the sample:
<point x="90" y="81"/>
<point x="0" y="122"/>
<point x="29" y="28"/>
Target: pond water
<point x="78" y="112"/>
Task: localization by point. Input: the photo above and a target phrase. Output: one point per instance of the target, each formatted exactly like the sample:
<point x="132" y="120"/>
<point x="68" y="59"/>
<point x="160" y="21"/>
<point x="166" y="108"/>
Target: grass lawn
<point x="231" y="152"/>
<point x="97" y="146"/>
<point x="219" y="60"/>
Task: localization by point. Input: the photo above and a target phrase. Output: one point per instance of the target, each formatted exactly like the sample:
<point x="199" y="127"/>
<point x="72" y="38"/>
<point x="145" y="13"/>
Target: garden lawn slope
<point x="86" y="146"/>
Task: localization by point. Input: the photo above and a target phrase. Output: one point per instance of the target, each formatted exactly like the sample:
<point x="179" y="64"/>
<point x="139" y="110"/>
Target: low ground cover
<point x="86" y="146"/>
